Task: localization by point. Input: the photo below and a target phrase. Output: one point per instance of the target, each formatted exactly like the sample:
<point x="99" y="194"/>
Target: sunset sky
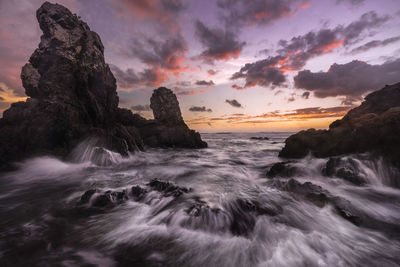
<point x="235" y="65"/>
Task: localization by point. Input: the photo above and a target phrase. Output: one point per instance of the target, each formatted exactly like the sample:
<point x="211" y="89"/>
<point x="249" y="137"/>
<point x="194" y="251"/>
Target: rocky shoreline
<point x="372" y="127"/>
<point x="72" y="97"/>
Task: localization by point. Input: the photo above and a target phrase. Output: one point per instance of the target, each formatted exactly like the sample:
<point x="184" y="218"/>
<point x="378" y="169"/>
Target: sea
<point x="44" y="220"/>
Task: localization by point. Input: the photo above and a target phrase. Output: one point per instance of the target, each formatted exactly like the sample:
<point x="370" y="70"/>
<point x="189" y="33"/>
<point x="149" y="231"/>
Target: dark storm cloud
<point x="234" y="103"/>
<point x="239" y="13"/>
<point x="374" y="44"/>
<point x="141" y="108"/>
<point x="167" y="54"/>
<point x="305" y="95"/>
<point x="219" y="44"/>
<point x="260" y="73"/>
<point x="205" y="83"/>
<point x="200" y="109"/>
<point x="130" y="79"/>
<point x="294" y="54"/>
<point x="350" y="80"/>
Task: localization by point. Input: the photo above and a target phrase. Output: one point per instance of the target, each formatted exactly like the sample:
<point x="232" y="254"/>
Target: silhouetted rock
<point x="371" y="127"/>
<point x="168" y="128"/>
<point x="73" y="98"/>
<point x="73" y="94"/>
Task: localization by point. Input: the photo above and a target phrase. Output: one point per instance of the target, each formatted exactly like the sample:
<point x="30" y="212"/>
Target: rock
<point x="109" y="198"/>
<point x="73" y="98"/>
<point x="85" y="198"/>
<point x="165" y="107"/>
<point x="168" y="128"/>
<point x="168" y="188"/>
<point x="259" y="138"/>
<point x="371" y="127"/>
<point x="72" y="94"/>
<point x="138" y="192"/>
<point x="283" y="169"/>
<point x="346" y="169"/>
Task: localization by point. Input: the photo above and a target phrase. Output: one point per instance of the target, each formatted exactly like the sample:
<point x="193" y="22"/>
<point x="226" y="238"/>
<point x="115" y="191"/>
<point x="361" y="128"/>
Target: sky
<point x="235" y="65"/>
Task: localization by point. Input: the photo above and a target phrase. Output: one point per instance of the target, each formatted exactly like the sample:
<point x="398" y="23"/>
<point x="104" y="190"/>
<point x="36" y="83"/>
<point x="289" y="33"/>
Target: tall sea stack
<point x="72" y="96"/>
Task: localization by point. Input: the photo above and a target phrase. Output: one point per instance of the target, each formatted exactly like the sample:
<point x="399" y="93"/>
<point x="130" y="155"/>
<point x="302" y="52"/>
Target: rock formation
<point x="73" y="97"/>
<point x="374" y="127"/>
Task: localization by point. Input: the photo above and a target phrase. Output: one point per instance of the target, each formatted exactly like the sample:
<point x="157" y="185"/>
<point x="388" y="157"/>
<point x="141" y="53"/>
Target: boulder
<point x="371" y="127"/>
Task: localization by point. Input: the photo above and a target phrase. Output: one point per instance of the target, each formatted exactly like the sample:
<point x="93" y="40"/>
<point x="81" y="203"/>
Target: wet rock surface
<point x="237" y="217"/>
<point x="72" y="97"/>
<point x="371" y="127"/>
<point x="346" y="168"/>
<point x="283" y="169"/>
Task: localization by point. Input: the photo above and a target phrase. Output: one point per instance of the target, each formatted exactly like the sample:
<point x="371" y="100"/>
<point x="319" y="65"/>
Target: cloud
<point x="200" y="109"/>
<point x="239" y="13"/>
<point x="183" y="83"/>
<point x="350" y="80"/>
<point x="260" y="73"/>
<point x="374" y="44"/>
<point x="181" y="92"/>
<point x="298" y="115"/>
<point x="353" y="2"/>
<point x="292" y="55"/>
<point x="233" y="103"/>
<point x="168" y="54"/>
<point x="164" y="13"/>
<point x="219" y="44"/>
<point x="305" y="95"/>
<point x="205" y="83"/>
<point x="141" y="108"/>
<point x="212" y="72"/>
<point x="129" y="79"/>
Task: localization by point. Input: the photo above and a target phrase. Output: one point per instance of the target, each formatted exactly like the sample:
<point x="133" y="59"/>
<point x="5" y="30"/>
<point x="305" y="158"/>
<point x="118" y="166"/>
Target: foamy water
<point x="40" y="219"/>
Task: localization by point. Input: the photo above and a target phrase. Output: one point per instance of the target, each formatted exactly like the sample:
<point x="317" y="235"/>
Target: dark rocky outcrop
<point x="72" y="97"/>
<point x="168" y="128"/>
<point x="371" y="127"/>
<point x="345" y="168"/>
<point x="283" y="169"/>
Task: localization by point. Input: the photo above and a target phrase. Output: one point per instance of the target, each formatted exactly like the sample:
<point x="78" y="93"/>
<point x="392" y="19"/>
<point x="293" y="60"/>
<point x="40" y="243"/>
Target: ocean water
<point x="43" y="224"/>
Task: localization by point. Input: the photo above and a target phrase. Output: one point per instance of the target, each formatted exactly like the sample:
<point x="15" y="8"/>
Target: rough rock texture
<point x="73" y="97"/>
<point x="345" y="168"/>
<point x="374" y="126"/>
<point x="168" y="128"/>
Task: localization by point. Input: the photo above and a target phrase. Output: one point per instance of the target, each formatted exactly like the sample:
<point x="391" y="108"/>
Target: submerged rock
<point x="346" y="168"/>
<point x="283" y="169"/>
<point x="168" y="188"/>
<point x="371" y="127"/>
